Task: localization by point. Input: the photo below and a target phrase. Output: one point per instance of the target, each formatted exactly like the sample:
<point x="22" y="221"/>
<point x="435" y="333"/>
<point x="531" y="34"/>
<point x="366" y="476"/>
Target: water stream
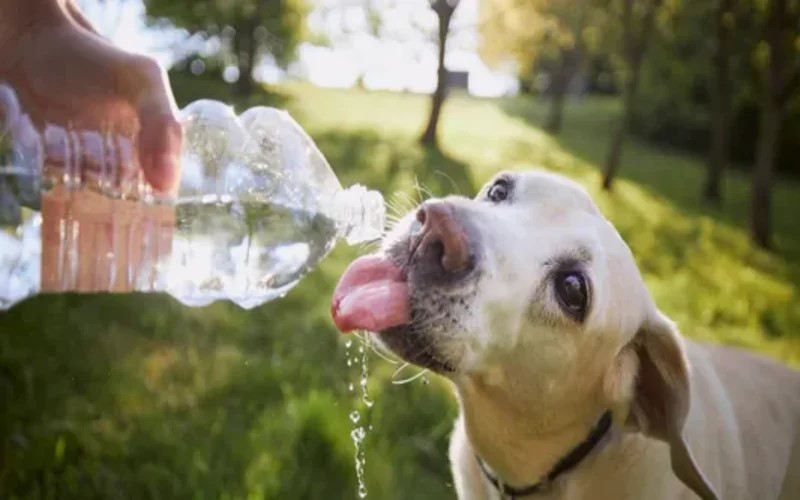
<point x="357" y="360"/>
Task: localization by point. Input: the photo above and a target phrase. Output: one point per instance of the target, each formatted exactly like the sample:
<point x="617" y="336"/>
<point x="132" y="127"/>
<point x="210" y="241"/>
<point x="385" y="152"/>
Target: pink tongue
<point x="372" y="294"/>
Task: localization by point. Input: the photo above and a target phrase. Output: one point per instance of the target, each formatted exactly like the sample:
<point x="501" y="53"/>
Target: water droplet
<point x="425" y="381"/>
<point x="359" y="433"/>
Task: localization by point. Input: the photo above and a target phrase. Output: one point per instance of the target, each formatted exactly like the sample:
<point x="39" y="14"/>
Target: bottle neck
<point x="360" y="214"/>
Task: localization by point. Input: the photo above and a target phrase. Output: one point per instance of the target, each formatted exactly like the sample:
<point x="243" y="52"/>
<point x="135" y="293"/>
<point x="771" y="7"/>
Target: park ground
<point x="139" y="397"/>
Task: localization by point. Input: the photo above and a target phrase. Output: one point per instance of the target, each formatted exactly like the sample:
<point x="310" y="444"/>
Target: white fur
<point x="531" y="382"/>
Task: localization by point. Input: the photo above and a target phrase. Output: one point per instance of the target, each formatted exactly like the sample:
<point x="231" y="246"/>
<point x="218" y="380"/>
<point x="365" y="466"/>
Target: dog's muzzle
<point x="440" y="245"/>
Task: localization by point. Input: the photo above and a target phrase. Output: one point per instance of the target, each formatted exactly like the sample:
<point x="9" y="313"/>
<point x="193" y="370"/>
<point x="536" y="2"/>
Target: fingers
<point x="77" y="16"/>
<point x="160" y="135"/>
<point x="160" y="142"/>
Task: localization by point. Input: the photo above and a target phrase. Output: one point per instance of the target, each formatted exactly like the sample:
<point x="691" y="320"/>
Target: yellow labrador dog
<point x="571" y="383"/>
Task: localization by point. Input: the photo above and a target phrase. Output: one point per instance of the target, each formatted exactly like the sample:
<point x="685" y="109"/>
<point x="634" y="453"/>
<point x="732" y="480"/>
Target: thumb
<point x="160" y="133"/>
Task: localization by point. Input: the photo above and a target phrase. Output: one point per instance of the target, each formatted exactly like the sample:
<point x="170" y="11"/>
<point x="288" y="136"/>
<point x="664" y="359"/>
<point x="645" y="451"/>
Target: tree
<point x="780" y="79"/>
<point x="250" y="28"/>
<point x="721" y="112"/>
<point x="551" y="35"/>
<point x="637" y="21"/>
<point x="444" y="12"/>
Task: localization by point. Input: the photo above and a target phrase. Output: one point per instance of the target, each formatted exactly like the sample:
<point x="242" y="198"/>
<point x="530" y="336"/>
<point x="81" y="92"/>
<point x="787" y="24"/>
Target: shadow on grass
<point x="136" y="396"/>
<point x="139" y="397"/>
<point x="392" y="163"/>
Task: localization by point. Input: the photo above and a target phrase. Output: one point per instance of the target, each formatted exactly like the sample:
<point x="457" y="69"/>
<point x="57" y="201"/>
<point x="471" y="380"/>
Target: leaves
<point x="277" y="26"/>
<point x="530" y="32"/>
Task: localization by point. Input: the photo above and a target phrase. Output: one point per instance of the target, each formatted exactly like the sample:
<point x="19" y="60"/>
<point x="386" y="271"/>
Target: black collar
<point x="568" y="462"/>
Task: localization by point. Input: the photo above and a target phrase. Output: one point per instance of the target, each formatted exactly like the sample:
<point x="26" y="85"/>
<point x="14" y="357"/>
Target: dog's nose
<point x="443" y="241"/>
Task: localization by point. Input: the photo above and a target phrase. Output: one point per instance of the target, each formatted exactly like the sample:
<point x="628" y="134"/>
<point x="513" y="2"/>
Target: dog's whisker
<point x="402" y="199"/>
<point x="376" y="348"/>
<point x="395" y="212"/>
<point x="409" y="200"/>
<point x="452" y="181"/>
<point x="418" y="190"/>
<point x="427" y="191"/>
<point x="392" y="220"/>
<point x="407" y="379"/>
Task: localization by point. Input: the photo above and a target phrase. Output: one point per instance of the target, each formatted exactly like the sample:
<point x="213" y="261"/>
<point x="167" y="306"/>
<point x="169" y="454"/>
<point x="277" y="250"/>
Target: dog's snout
<point x="443" y="241"/>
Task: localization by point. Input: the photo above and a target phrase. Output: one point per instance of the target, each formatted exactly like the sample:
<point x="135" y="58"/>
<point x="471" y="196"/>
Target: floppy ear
<point x="662" y="396"/>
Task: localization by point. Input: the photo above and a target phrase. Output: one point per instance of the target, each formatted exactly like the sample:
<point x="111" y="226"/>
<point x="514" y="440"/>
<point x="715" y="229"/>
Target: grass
<point x="139" y="397"/>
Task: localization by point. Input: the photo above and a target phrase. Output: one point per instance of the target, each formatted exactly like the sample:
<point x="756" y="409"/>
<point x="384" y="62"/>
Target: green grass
<point x="139" y="397"/>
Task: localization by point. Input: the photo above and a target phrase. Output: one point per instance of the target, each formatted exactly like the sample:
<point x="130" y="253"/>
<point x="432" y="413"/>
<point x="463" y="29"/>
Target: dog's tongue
<point x="372" y="295"/>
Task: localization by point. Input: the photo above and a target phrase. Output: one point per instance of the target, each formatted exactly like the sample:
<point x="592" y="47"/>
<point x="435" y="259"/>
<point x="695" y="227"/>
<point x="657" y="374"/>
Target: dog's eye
<point x="499" y="191"/>
<point x="572" y="293"/>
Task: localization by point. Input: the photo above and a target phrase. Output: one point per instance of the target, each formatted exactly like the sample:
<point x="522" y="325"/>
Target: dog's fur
<point x="689" y="419"/>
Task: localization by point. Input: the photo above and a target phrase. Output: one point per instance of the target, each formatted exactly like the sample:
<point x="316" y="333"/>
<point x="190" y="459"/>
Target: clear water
<point x="199" y="251"/>
<point x="357" y="358"/>
<point x="20" y="248"/>
<point x="249" y="252"/>
<point x="74" y="215"/>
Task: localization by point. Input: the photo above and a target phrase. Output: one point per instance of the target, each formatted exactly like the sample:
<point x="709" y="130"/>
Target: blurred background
<point x="681" y="117"/>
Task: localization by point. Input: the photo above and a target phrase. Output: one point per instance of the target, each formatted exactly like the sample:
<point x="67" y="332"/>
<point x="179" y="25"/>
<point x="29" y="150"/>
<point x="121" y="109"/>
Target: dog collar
<point x="568" y="462"/>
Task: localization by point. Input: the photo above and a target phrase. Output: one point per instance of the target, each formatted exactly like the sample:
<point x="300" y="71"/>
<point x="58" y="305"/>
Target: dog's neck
<point x="522" y="440"/>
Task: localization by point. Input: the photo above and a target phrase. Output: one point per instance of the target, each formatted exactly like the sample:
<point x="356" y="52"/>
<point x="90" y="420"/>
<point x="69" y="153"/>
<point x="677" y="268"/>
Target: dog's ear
<point x="662" y="396"/>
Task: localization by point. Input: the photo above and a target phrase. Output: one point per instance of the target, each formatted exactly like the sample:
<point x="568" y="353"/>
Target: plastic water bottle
<point x="258" y="207"/>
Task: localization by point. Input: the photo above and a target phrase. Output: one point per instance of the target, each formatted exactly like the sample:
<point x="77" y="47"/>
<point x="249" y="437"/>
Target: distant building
<point x="458" y="79"/>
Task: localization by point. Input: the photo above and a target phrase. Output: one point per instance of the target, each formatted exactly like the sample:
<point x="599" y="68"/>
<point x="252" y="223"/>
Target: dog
<point x="571" y="383"/>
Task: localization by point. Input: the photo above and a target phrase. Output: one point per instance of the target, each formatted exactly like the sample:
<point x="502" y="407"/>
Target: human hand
<point x="108" y="122"/>
<point x="64" y="73"/>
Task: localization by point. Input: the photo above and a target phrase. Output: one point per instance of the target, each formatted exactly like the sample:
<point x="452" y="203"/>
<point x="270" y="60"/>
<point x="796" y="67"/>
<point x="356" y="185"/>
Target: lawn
<point x="139" y="397"/>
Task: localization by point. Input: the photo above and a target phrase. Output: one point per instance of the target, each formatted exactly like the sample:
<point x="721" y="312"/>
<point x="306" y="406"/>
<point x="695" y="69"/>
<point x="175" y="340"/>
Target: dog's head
<point x="529" y="293"/>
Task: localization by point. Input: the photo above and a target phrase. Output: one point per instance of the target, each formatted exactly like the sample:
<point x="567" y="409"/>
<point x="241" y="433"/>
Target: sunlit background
<point x="675" y="135"/>
<point x="346" y="45"/>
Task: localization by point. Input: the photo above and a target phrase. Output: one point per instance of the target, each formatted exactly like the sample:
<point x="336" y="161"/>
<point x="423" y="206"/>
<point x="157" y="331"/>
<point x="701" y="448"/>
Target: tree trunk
<point x="782" y="77"/>
<point x="719" y="151"/>
<point x="444" y="12"/>
<point x="246" y="49"/>
<point x="558" y="94"/>
<point x="635" y="39"/>
<point x="614" y="157"/>
<point x="430" y="135"/>
<point x="761" y="202"/>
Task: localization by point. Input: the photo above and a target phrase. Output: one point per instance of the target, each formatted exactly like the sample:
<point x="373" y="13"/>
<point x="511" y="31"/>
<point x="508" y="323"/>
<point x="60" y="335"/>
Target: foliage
<point x="675" y="77"/>
<point x="248" y="29"/>
<point x="674" y="106"/>
<point x="138" y="397"/>
<point x="527" y="31"/>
